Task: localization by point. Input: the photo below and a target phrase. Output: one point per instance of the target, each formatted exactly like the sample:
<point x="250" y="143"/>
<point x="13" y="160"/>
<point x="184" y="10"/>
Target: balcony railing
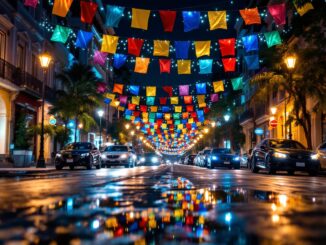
<point x="24" y="80"/>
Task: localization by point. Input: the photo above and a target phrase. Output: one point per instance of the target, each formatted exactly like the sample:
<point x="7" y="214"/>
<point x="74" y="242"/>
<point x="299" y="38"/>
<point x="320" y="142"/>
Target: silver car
<point x="321" y="152"/>
<point x="118" y="155"/>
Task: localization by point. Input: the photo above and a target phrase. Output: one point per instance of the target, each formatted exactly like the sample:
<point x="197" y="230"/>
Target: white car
<point x="118" y="155"/>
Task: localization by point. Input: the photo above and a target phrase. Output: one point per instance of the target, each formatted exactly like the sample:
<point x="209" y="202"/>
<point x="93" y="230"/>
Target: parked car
<point x="189" y="160"/>
<point x="283" y="154"/>
<point x="150" y="159"/>
<point x="321" y="151"/>
<point x="198" y="158"/>
<point x="204" y="158"/>
<point x="244" y="160"/>
<point x="223" y="157"/>
<point x="78" y="154"/>
<point x="118" y="155"/>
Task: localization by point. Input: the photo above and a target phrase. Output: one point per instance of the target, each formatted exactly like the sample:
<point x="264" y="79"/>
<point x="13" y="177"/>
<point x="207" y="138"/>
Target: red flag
<point x="188" y="125"/>
<point x="229" y="64"/>
<point x="143" y="108"/>
<point x="168" y="89"/>
<point x="194" y="115"/>
<point x="136" y="113"/>
<point x="159" y="122"/>
<point x="185" y="115"/>
<point x="278" y="11"/>
<point x="227" y="46"/>
<point x="163" y="101"/>
<point x="190" y="108"/>
<point x="134" y="46"/>
<point x="88" y="10"/>
<point x="168" y="19"/>
<point x="131" y="107"/>
<point x="187" y="99"/>
<point x="165" y="65"/>
<point x="206" y="110"/>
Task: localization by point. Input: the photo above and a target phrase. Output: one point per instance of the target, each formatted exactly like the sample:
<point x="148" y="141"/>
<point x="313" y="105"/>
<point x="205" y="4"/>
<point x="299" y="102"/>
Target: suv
<point x="118" y="155"/>
<point x="78" y="154"/>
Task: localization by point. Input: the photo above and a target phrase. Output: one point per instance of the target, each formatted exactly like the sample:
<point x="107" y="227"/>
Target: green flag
<point x="272" y="38"/>
<point x="236" y="83"/>
<point x="61" y="34"/>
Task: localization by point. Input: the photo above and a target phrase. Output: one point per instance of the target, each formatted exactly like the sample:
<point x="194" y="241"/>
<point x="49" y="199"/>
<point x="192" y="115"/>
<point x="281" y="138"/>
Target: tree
<point x="78" y="98"/>
<point x="22" y="136"/>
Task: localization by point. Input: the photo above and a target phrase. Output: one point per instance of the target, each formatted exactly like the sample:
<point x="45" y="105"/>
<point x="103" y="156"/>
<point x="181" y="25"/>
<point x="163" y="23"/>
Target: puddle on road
<point x="173" y="211"/>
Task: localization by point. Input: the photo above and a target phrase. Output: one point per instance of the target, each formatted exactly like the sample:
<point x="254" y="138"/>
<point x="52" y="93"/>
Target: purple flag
<point x="123" y="99"/>
<point x="214" y="97"/>
<point x="183" y="90"/>
<point x="99" y="58"/>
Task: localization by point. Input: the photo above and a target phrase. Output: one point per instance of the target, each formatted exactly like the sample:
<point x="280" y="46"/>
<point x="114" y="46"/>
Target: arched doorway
<point x="3" y="126"/>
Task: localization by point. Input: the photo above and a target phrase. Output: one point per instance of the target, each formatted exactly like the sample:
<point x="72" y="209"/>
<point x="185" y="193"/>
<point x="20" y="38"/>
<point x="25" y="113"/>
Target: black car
<point x="190" y="160"/>
<point x="222" y="157"/>
<point x="283" y="155"/>
<point x="78" y="154"/>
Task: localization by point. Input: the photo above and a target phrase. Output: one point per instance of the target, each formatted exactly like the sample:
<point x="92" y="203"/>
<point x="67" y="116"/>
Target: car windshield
<point x="78" y="146"/>
<point x="221" y="151"/>
<point x="285" y="144"/>
<point x="116" y="148"/>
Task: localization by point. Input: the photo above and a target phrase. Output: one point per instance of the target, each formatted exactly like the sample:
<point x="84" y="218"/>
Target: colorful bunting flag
<point x="237" y="83"/>
<point x="304" y="9"/>
<point x="163" y="101"/>
<point x="183" y="90"/>
<point x="61" y="34"/>
<point x="272" y="38"/>
<point x="278" y="12"/>
<point x="119" y="60"/>
<point x="99" y="58"/>
<point x="191" y="20"/>
<point x="182" y="49"/>
<point x="83" y="38"/>
<point x="250" y="16"/>
<point x="161" y="48"/>
<point x="134" y="46"/>
<point x="154" y="109"/>
<point x="61" y="7"/>
<point x="131" y="107"/>
<point x="214" y="98"/>
<point x="184" y="67"/>
<point x="205" y="66"/>
<point x="143" y="108"/>
<point x="174" y="100"/>
<point x="109" y="44"/>
<point x="135" y="100"/>
<point x="150" y="91"/>
<point x="150" y="100"/>
<point x="250" y="42"/>
<point x="165" y="65"/>
<point x="187" y="99"/>
<point x="88" y="10"/>
<point x="140" y="18"/>
<point x="217" y="20"/>
<point x="218" y="86"/>
<point x="142" y="65"/>
<point x="133" y="89"/>
<point x="31" y="3"/>
<point x="201" y="99"/>
<point x="203" y="48"/>
<point x="118" y="88"/>
<point x="113" y="15"/>
<point x="227" y="46"/>
<point x="201" y="88"/>
<point x="178" y="109"/>
<point x="123" y="99"/>
<point x="190" y="108"/>
<point x="252" y="62"/>
<point x="229" y="64"/>
<point x="168" y="19"/>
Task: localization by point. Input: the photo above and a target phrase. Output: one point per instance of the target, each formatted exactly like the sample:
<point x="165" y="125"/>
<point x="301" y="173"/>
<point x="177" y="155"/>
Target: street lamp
<point x="45" y="60"/>
<point x="273" y="110"/>
<point x="227" y="117"/>
<point x="100" y="114"/>
<point x="290" y="61"/>
<point x="127" y="126"/>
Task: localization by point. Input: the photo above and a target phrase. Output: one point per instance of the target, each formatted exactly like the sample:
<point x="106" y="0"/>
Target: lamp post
<point x="273" y="112"/>
<point x="45" y="60"/>
<point x="100" y="114"/>
<point x="290" y="61"/>
<point x="227" y="119"/>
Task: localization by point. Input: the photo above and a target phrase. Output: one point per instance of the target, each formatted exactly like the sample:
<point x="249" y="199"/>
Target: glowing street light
<point x="227" y="117"/>
<point x="290" y="61"/>
<point x="127" y="126"/>
<point x="273" y="110"/>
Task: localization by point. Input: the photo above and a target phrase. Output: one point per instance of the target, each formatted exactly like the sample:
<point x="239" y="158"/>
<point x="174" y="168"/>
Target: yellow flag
<point x="135" y="100"/>
<point x="161" y="48"/>
<point x="304" y="9"/>
<point x="164" y="125"/>
<point x="132" y="118"/>
<point x="167" y="116"/>
<point x="203" y="48"/>
<point x="142" y="65"/>
<point x="121" y="108"/>
<point x="218" y="86"/>
<point x="201" y="105"/>
<point x="109" y="44"/>
<point x="184" y="130"/>
<point x="61" y="7"/>
<point x="178" y="109"/>
<point x="150" y="91"/>
<point x="184" y="66"/>
<point x="201" y="99"/>
<point x="217" y="20"/>
<point x="180" y="126"/>
<point x="145" y="120"/>
<point x="145" y="114"/>
<point x="110" y="96"/>
<point x="153" y="108"/>
<point x="140" y="18"/>
<point x="198" y="124"/>
<point x="115" y="103"/>
<point x="190" y="120"/>
<point x="174" y="100"/>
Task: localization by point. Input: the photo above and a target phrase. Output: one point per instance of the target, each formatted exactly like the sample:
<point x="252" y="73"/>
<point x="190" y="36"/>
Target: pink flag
<point x="101" y="88"/>
<point x="278" y="12"/>
<point x="183" y="90"/>
<point x="31" y="3"/>
<point x="99" y="58"/>
<point x="123" y="99"/>
<point x="214" y="97"/>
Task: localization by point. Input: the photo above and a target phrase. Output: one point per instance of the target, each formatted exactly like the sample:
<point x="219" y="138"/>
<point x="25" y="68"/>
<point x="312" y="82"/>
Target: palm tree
<point x="78" y="98"/>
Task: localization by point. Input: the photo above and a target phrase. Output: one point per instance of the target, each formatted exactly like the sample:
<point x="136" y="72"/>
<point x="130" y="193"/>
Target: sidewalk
<point x="10" y="171"/>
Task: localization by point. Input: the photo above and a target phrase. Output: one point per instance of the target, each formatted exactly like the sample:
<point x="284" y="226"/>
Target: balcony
<point x="25" y="81"/>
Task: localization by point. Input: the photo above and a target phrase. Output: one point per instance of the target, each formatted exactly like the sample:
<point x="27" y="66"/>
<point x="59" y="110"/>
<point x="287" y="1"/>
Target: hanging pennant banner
<point x="252" y="62"/>
<point x="83" y="38"/>
<point x="109" y="44"/>
<point x="101" y="88"/>
<point x="278" y="12"/>
<point x="174" y="100"/>
<point x="123" y="99"/>
<point x="272" y="38"/>
<point x="31" y="3"/>
<point x="165" y="65"/>
<point x="118" y="88"/>
<point x="142" y="65"/>
<point x="134" y="46"/>
<point x="88" y="10"/>
<point x="304" y="9"/>
<point x="217" y="20"/>
<point x="113" y="15"/>
<point x="61" y="7"/>
<point x="150" y="91"/>
<point x="201" y="99"/>
<point x="183" y="90"/>
<point x="119" y="60"/>
<point x="201" y="88"/>
<point x="135" y="100"/>
<point x="190" y="108"/>
<point x="168" y="19"/>
<point x="168" y="90"/>
<point x="131" y="107"/>
<point x="161" y="48"/>
<point x="184" y="67"/>
<point x="218" y="86"/>
<point x="227" y="46"/>
<point x="250" y="42"/>
<point x="214" y="98"/>
<point x="187" y="99"/>
<point x="229" y="64"/>
<point x="191" y="20"/>
<point x="61" y="34"/>
<point x="237" y="83"/>
<point x="250" y="16"/>
<point x="182" y="49"/>
<point x="99" y="58"/>
<point x="178" y="109"/>
<point x="150" y="100"/>
<point x="203" y="48"/>
<point x="205" y="66"/>
<point x="133" y="89"/>
<point x="163" y="101"/>
<point x="140" y="18"/>
<point x="154" y="109"/>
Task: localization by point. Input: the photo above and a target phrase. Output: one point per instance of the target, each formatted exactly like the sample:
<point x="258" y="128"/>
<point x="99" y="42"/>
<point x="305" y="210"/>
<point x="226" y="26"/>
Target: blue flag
<point x="119" y="60"/>
<point x="134" y="89"/>
<point x="201" y="88"/>
<point x="113" y="15"/>
<point x="250" y="43"/>
<point x="191" y="20"/>
<point x="83" y="39"/>
<point x="205" y="66"/>
<point x="182" y="49"/>
<point x="252" y="62"/>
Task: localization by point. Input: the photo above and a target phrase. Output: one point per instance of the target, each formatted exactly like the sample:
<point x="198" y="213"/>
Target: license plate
<point x="226" y="162"/>
<point x="70" y="160"/>
<point x="300" y="164"/>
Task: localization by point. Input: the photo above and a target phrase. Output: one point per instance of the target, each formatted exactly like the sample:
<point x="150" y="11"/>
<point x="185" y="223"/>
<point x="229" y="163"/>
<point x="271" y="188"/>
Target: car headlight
<point x="124" y="156"/>
<point x="280" y="155"/>
<point x="142" y="159"/>
<point x="236" y="159"/>
<point x="58" y="155"/>
<point x="314" y="157"/>
<point x="154" y="159"/>
<point x="214" y="158"/>
<point x="103" y="156"/>
<point x="84" y="154"/>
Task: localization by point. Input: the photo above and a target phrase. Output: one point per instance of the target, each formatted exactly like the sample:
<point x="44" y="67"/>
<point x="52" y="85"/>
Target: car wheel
<point x="290" y="172"/>
<point x="90" y="163"/>
<point x="58" y="167"/>
<point x="253" y="167"/>
<point x="71" y="167"/>
<point x="98" y="166"/>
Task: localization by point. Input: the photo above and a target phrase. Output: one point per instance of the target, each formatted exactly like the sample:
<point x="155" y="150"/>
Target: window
<point x="3" y="42"/>
<point x="21" y="57"/>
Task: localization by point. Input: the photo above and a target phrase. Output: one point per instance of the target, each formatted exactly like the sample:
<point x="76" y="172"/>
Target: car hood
<point x="115" y="152"/>
<point x="294" y="151"/>
<point x="64" y="152"/>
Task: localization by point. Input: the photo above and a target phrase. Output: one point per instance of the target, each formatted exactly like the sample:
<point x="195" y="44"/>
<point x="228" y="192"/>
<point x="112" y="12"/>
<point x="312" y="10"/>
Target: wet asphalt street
<point x="162" y="205"/>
